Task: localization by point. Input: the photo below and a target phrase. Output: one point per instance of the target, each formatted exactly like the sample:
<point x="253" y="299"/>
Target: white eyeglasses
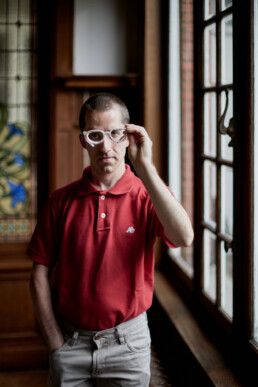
<point x="96" y="136"/>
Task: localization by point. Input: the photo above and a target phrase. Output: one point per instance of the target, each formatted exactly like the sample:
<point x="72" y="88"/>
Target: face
<point x="107" y="157"/>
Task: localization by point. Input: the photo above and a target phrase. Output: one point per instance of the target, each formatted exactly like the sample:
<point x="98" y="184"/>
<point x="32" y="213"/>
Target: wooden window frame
<point x="236" y="335"/>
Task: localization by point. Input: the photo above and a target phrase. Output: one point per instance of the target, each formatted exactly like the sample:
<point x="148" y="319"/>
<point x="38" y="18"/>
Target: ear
<point x="127" y="142"/>
<point x="82" y="140"/>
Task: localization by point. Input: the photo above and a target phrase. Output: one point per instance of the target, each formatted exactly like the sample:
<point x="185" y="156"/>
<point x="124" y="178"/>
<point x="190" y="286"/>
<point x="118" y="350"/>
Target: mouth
<point x="106" y="159"/>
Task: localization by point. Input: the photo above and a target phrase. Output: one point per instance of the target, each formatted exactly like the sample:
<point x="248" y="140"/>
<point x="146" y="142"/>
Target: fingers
<point x="131" y="128"/>
<point x="140" y="146"/>
<point x="138" y="132"/>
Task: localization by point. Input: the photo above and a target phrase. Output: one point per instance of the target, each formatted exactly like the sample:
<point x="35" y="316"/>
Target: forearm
<point x="173" y="217"/>
<point x="41" y="298"/>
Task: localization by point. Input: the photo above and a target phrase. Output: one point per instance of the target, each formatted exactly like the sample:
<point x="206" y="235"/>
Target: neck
<point x="107" y="180"/>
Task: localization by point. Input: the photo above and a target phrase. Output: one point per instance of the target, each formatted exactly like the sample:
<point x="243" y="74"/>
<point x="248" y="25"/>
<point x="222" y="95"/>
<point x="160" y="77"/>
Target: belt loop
<point x="74" y="338"/>
<point x="121" y="337"/>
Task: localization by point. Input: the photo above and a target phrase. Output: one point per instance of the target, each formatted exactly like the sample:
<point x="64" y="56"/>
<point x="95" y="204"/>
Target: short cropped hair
<point x="102" y="102"/>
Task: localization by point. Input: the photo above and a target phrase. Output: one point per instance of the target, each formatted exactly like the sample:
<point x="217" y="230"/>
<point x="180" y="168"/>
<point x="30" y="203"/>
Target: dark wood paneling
<point x="21" y="345"/>
<point x="66" y="153"/>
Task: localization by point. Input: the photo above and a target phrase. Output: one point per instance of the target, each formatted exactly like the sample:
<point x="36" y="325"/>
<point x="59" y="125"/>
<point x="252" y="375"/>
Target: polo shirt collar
<point x="124" y="185"/>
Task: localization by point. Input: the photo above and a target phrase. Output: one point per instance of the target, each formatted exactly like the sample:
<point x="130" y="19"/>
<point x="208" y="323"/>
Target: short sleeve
<point x="44" y="245"/>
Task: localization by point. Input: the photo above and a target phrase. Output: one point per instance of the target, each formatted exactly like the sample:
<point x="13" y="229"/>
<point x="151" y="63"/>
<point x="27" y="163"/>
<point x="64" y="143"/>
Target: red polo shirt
<point x="101" y="245"/>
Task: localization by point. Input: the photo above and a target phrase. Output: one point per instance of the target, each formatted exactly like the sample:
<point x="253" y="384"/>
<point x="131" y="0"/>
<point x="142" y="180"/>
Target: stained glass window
<point x="17" y="119"/>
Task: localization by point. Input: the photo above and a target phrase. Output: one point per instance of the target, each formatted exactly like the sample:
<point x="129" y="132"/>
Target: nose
<point x="106" y="144"/>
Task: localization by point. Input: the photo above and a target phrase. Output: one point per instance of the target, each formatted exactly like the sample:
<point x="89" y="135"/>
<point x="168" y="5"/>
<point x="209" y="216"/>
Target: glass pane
<point x="23" y="92"/>
<point x="2" y="10"/>
<point x="227" y="200"/>
<point x="25" y="11"/>
<point x="12" y="11"/>
<point x="2" y="67"/>
<point x="15" y="182"/>
<point x="24" y="64"/>
<point x="11" y="64"/>
<point x="11" y="93"/>
<point x="226" y="4"/>
<point x="2" y="39"/>
<point x="25" y="38"/>
<point x="227" y="50"/>
<point x="17" y="89"/>
<point x="210" y="192"/>
<point x="24" y="114"/>
<point x="210" y="55"/>
<point x="210" y="264"/>
<point x="175" y="125"/>
<point x="209" y="8"/>
<point x="227" y="151"/>
<point x="255" y="201"/>
<point x="13" y="114"/>
<point x="226" y="280"/>
<point x="11" y="41"/>
<point x="210" y="127"/>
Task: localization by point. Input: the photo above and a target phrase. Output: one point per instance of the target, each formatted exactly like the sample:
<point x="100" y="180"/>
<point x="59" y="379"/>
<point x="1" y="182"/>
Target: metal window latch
<point x="230" y="245"/>
<point x="230" y="130"/>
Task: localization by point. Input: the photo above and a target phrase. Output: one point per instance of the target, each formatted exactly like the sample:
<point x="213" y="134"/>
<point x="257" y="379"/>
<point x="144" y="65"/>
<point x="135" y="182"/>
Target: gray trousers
<point x="116" y="357"/>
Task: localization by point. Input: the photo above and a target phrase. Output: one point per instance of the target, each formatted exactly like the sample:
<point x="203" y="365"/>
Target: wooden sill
<point x="203" y="350"/>
<point x="100" y="81"/>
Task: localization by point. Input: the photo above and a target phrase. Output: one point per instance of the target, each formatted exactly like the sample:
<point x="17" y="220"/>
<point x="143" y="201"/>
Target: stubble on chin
<point x="108" y="169"/>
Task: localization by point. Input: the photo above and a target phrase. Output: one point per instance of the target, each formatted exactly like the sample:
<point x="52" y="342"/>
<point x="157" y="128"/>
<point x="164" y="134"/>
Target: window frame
<point x="238" y="334"/>
<point x="200" y="90"/>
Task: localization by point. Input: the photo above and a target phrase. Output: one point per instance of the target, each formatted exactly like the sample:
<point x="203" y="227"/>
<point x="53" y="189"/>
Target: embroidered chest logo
<point x="130" y="230"/>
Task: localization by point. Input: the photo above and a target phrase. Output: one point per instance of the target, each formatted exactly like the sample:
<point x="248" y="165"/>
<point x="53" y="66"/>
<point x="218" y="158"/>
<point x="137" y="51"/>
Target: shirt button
<point x="103" y="215"/>
<point x="98" y="336"/>
<point x="102" y="197"/>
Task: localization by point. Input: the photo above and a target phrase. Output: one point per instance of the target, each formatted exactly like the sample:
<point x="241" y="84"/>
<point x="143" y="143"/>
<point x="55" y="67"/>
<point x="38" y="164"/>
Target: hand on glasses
<point x="96" y="136"/>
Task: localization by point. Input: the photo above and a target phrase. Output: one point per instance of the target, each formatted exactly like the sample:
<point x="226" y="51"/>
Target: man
<point x="94" y="244"/>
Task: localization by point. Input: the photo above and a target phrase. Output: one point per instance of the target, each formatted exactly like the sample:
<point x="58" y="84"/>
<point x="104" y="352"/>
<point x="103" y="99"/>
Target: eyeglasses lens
<point x="118" y="135"/>
<point x="97" y="136"/>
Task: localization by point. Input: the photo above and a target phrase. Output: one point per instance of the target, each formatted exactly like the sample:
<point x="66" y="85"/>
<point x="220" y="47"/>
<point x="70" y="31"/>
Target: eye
<point x="118" y="134"/>
<point x="95" y="136"/>
<point x="115" y="133"/>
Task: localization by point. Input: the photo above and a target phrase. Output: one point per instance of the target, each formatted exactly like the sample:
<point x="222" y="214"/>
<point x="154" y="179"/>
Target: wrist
<point x="54" y="346"/>
<point x="55" y="343"/>
<point x="146" y="170"/>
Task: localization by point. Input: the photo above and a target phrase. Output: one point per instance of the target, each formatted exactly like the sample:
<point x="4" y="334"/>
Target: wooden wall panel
<point x="21" y="345"/>
<point x="16" y="308"/>
<point x="23" y="353"/>
<point x="62" y="43"/>
<point x="66" y="155"/>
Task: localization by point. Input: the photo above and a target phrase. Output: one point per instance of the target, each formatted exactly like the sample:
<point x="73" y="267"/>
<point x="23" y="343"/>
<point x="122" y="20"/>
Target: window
<point x="17" y="119"/>
<point x="181" y="115"/>
<point x="222" y="272"/>
<point x="217" y="156"/>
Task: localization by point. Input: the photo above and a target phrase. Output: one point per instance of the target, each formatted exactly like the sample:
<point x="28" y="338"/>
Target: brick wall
<point x="187" y="106"/>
